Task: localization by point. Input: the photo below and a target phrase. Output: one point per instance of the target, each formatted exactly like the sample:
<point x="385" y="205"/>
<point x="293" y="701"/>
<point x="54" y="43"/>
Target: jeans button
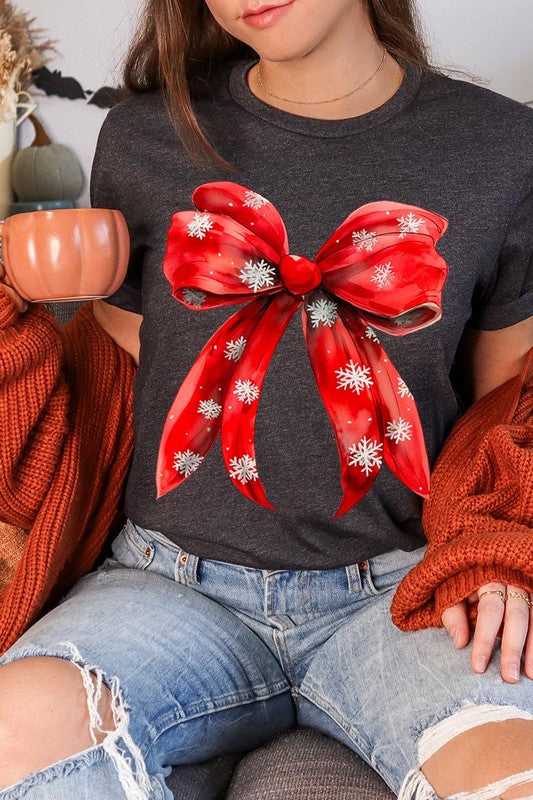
<point x="183" y="558"/>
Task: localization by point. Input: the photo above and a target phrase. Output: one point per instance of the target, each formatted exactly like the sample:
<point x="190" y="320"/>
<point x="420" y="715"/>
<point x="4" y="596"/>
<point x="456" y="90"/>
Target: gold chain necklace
<point x="317" y="102"/>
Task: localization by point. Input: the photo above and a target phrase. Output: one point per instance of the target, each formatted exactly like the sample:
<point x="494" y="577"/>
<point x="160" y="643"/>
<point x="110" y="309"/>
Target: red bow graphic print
<point x="379" y="269"/>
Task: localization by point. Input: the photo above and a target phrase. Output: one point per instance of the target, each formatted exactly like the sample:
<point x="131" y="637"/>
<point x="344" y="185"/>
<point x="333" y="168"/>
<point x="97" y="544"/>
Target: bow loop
<point x="398" y="289"/>
<point x="383" y="261"/>
<point x="253" y="211"/>
<point x="212" y="260"/>
<point x="375" y="226"/>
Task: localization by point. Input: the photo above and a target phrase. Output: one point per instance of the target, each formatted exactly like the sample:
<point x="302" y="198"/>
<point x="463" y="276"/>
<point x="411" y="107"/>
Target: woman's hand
<point x="517" y="629"/>
<point x="19" y="301"/>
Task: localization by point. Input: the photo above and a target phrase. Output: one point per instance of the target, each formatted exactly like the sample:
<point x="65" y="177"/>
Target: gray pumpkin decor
<point x="46" y="170"/>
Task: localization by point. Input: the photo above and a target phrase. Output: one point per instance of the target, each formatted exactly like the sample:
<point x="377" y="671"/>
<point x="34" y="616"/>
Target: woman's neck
<point x="345" y="59"/>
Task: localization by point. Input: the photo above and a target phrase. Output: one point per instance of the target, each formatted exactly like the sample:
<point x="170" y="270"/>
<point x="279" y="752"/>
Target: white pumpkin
<point x="46" y="170"/>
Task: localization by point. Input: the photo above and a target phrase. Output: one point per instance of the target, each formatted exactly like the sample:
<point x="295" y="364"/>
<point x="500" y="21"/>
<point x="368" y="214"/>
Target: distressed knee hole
<point x="131" y="769"/>
<point x="417" y="784"/>
<point x="468" y="716"/>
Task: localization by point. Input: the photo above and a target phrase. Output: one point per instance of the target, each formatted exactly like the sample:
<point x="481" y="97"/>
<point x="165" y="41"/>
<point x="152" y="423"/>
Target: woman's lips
<point x="267" y="17"/>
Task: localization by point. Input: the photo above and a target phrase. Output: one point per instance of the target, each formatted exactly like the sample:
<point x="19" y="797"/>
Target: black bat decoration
<point x="54" y="83"/>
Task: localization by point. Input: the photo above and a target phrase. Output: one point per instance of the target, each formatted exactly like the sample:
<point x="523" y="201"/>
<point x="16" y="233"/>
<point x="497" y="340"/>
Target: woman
<point x="230" y="619"/>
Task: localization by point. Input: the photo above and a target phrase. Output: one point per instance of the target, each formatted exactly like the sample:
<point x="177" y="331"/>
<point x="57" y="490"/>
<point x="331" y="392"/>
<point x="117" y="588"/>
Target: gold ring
<point x="523" y="596"/>
<point x="493" y="591"/>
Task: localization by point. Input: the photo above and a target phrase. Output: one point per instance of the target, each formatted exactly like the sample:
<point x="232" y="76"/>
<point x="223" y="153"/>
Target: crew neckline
<point x="242" y="94"/>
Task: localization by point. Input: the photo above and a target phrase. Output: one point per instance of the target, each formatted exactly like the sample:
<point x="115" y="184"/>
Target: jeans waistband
<point x="187" y="565"/>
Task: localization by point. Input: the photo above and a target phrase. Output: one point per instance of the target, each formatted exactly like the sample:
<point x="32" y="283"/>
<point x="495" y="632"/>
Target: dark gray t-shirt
<point x="449" y="146"/>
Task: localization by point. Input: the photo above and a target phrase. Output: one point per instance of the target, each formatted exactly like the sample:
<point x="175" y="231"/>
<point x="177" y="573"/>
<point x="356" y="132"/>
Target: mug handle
<point x="28" y="108"/>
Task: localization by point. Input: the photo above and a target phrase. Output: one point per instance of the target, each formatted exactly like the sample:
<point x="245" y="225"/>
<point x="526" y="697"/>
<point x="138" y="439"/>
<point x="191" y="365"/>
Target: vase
<point x="8" y="146"/>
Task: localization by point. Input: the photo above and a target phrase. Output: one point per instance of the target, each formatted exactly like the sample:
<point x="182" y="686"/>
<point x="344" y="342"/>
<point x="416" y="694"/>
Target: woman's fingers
<point x="515" y="632"/>
<point x="517" y="629"/>
<point x="455" y="620"/>
<point x="528" y="652"/>
<point x="490" y="611"/>
<point x="19" y="301"/>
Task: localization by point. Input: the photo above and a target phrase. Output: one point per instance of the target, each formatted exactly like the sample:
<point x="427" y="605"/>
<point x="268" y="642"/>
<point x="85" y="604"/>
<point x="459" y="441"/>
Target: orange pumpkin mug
<point x="65" y="254"/>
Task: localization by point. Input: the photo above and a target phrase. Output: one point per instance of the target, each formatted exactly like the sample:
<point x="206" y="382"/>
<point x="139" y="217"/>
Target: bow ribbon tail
<point x="194" y="419"/>
<point x="404" y="448"/>
<point x="344" y="381"/>
<point x="242" y="398"/>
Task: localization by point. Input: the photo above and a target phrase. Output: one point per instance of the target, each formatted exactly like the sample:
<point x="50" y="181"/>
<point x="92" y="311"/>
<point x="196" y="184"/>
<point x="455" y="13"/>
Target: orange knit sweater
<point x="66" y="443"/>
<point x="478" y="518"/>
<point x="65" y="448"/>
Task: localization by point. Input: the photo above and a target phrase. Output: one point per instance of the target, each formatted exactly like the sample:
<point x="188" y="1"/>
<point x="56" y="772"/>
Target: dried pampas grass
<point x="30" y="53"/>
<point x="20" y="54"/>
<point x="10" y="69"/>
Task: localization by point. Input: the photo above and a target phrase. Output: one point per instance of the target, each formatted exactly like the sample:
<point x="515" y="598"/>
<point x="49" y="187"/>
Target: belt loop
<point x="186" y="568"/>
<point x="353" y="576"/>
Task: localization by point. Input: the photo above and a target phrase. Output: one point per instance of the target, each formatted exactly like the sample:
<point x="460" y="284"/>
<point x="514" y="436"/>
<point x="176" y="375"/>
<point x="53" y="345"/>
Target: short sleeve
<point x="104" y="192"/>
<point x="508" y="298"/>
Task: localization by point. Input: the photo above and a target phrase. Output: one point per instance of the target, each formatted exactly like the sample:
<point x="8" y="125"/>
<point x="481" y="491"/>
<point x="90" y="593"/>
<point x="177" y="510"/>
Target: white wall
<point x="92" y="35"/>
<point x="491" y="39"/>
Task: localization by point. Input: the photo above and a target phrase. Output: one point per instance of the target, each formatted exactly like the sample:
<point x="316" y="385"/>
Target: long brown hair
<point x="178" y="42"/>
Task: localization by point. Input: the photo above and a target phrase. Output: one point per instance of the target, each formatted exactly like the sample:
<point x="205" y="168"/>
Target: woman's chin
<point x="280" y="52"/>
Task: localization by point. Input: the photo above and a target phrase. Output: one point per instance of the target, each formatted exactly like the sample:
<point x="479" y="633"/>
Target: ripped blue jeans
<point x="205" y="657"/>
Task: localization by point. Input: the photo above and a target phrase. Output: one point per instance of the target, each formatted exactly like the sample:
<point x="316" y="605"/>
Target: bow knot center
<point x="299" y="275"/>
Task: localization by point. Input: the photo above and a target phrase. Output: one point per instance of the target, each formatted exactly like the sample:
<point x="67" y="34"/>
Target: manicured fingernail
<point x="481" y="663"/>
<point x="513" y="671"/>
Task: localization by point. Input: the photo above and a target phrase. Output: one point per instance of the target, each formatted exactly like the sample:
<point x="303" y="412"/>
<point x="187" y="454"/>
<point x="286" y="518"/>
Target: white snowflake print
<point x="409" y="224"/>
<point x="405" y="319"/>
<point x="365" y="454"/>
<point x="199" y="226"/>
<point x="370" y="334"/>
<point x="364" y="239"/>
<point x="254" y="199"/>
<point x="322" y="311"/>
<point x="353" y="377"/>
<point x="403" y="389"/>
<point x="185" y="462"/>
<point x="235" y="348"/>
<point x="399" y="430"/>
<point x="246" y="391"/>
<point x="194" y="297"/>
<point x="257" y="274"/>
<point x="209" y="409"/>
<point x="382" y="275"/>
<point x="243" y="469"/>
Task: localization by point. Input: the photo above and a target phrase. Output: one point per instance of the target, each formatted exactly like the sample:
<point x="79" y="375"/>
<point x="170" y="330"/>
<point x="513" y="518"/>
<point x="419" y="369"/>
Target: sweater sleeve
<point x="479" y="513"/>
<point x="34" y="408"/>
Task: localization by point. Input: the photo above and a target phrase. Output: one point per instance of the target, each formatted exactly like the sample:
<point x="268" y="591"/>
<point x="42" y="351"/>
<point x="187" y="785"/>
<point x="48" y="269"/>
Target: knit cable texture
<point x="478" y="518"/>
